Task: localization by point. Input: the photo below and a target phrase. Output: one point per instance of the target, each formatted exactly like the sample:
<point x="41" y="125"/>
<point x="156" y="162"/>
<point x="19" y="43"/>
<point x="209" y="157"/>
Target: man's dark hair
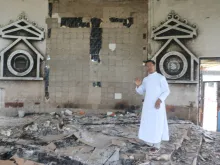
<point x="153" y="62"/>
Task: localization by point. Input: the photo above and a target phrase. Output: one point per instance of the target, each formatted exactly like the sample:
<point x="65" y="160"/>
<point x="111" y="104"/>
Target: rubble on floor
<point x="68" y="138"/>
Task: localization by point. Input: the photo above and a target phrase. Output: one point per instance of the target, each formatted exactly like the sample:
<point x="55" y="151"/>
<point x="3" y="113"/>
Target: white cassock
<point x="154" y="126"/>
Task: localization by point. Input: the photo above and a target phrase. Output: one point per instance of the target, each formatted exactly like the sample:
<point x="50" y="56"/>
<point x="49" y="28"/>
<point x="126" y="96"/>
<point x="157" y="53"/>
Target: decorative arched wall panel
<point x="21" y="60"/>
<point x="174" y="60"/>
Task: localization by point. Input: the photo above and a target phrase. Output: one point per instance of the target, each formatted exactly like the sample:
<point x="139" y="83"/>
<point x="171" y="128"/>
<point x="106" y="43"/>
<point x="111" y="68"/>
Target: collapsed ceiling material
<point x="99" y="139"/>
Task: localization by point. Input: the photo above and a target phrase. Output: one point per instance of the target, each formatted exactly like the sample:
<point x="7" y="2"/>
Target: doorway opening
<point x="209" y="100"/>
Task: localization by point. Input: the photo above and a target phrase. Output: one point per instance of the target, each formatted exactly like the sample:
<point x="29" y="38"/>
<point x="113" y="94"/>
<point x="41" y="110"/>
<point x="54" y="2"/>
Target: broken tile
<point x="7" y="162"/>
<point x="68" y="112"/>
<point x="96" y="140"/>
<point x="32" y="127"/>
<point x="50" y="147"/>
<point x="20" y="161"/>
<point x="47" y="124"/>
<point x="50" y="138"/>
<point x="118" y="142"/>
<point x="6" y="132"/>
<point x="114" y="157"/>
<point x="101" y="156"/>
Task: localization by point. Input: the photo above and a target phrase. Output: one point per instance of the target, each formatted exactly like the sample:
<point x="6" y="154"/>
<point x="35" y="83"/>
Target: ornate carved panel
<point x="174" y="60"/>
<point x="20" y="60"/>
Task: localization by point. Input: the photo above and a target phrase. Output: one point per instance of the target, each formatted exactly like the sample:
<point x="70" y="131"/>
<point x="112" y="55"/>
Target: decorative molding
<point x="23" y="16"/>
<point x="23" y="52"/>
<point x="21" y="32"/>
<point x="23" y="78"/>
<point x="32" y="32"/>
<point x="127" y="22"/>
<point x="174" y="65"/>
<point x="174" y="27"/>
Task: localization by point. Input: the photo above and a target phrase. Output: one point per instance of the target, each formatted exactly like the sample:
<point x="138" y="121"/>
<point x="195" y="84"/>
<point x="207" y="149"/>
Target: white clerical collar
<point x="152" y="73"/>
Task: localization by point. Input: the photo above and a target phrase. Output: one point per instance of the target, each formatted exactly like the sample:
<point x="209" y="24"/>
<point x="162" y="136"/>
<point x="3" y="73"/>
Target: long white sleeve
<point x="141" y="89"/>
<point x="165" y="89"/>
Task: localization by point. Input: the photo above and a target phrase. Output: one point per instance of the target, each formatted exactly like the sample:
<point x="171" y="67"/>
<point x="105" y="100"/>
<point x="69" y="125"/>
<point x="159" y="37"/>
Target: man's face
<point x="150" y="67"/>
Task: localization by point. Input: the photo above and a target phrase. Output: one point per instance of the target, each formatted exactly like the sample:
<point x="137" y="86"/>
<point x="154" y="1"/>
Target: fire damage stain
<point x="95" y="39"/>
<point x="121" y="105"/>
<point x="97" y="84"/>
<point x="74" y="22"/>
<point x="47" y="75"/>
<point x="69" y="141"/>
<point x="70" y="105"/>
<point x="170" y="108"/>
<point x="45" y="157"/>
<point x="126" y="21"/>
<point x="49" y="33"/>
<point x="50" y="9"/>
<point x="7" y="155"/>
<point x="95" y="34"/>
<point x="35" y="140"/>
<point x="14" y="104"/>
<point x="33" y="152"/>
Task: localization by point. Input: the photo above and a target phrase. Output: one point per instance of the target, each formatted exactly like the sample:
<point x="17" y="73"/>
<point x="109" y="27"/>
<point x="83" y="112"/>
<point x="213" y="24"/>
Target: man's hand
<point x="157" y="104"/>
<point x="138" y="82"/>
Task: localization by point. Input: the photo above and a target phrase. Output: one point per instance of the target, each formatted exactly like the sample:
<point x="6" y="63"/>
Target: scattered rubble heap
<point x="69" y="138"/>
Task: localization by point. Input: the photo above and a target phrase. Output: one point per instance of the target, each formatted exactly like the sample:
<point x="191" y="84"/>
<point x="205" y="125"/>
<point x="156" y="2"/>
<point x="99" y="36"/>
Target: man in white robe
<point x="154" y="126"/>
